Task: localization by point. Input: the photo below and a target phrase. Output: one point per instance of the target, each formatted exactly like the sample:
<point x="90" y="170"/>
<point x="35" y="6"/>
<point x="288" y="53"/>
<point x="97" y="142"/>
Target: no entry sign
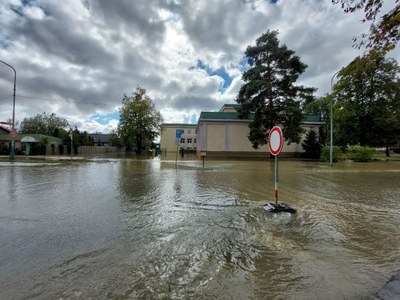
<point x="275" y="140"/>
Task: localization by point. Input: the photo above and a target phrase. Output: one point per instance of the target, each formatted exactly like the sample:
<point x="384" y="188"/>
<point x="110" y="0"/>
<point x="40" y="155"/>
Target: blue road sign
<point x="178" y="134"/>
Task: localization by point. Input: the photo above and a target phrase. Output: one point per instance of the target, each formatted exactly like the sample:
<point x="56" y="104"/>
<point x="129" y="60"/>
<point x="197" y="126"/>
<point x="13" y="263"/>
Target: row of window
<point x="188" y="140"/>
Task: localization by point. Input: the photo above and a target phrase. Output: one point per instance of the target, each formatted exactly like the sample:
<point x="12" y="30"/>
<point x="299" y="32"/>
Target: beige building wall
<point x="168" y="137"/>
<point x="215" y="137"/>
<point x="238" y="140"/>
<point x="229" y="138"/>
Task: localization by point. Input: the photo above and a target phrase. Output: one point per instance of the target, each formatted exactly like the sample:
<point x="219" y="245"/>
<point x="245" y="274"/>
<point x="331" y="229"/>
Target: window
<point x="189" y="140"/>
<point x="189" y="131"/>
<point x="182" y="140"/>
<point x="195" y="141"/>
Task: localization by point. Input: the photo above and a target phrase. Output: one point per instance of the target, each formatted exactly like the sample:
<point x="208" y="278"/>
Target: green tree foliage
<point x="311" y="145"/>
<point x="78" y="139"/>
<point x="269" y="90"/>
<point x="384" y="32"/>
<point x="321" y="107"/>
<point x="48" y="124"/>
<point x="140" y="122"/>
<point x="367" y="111"/>
<point x="114" y="139"/>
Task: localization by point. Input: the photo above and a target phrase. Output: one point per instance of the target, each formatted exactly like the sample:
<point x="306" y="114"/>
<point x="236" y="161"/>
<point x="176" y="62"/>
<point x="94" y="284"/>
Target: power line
<point x="65" y="100"/>
<point x="1" y="99"/>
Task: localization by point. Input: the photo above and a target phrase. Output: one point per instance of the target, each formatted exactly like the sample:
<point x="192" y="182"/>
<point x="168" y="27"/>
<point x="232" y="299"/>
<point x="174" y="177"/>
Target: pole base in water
<point x="278" y="207"/>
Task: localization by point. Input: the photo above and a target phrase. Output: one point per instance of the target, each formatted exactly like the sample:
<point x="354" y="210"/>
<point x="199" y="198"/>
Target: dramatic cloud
<point x="78" y="58"/>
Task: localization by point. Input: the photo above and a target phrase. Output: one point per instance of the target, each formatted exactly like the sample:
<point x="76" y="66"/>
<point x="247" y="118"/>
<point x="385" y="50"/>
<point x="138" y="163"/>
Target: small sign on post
<point x="178" y="137"/>
<point x="13" y="133"/>
<point x="275" y="145"/>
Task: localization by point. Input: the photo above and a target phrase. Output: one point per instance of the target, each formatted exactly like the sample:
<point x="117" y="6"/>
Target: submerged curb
<point x="391" y="289"/>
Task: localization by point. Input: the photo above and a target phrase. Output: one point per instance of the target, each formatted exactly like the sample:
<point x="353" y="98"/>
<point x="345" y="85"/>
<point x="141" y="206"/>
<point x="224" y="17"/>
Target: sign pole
<point x="276" y="179"/>
<point x="178" y="136"/>
<point x="275" y="144"/>
<point x="176" y="157"/>
<point x="72" y="143"/>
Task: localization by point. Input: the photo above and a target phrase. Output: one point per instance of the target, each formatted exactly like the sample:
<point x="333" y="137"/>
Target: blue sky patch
<point x="105" y="119"/>
<point x="193" y="119"/>
<point x="215" y="72"/>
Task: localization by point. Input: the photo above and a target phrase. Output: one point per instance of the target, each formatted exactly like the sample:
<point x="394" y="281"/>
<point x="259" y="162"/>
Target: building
<point x="4" y="130"/>
<point x="100" y="139"/>
<point x="25" y="142"/>
<point x="224" y="134"/>
<point x="168" y="137"/>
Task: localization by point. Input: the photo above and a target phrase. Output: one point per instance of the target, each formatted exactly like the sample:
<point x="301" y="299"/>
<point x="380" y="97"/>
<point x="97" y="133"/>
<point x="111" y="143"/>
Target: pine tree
<point x="269" y="91"/>
<point x="311" y="145"/>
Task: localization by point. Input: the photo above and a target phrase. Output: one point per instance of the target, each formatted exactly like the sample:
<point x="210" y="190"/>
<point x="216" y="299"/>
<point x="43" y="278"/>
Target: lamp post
<point x="12" y="152"/>
<point x="331" y="146"/>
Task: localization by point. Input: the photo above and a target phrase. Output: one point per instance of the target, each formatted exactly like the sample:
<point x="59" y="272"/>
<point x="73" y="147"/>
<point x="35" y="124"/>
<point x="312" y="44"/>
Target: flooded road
<point x="148" y="229"/>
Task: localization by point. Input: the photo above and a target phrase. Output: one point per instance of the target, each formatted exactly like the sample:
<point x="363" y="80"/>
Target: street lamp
<point x="12" y="152"/>
<point x="331" y="147"/>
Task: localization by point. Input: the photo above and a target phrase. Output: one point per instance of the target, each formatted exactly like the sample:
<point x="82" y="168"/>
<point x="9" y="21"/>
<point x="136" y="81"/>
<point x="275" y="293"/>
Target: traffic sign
<point x="178" y="134"/>
<point x="13" y="133"/>
<point x="275" y="140"/>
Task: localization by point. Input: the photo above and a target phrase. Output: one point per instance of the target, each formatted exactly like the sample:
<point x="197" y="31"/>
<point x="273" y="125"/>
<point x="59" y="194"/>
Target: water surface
<point x="134" y="229"/>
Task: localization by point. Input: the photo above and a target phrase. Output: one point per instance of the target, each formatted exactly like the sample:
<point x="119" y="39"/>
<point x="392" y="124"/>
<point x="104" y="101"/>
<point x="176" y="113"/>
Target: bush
<point x="359" y="153"/>
<point x="336" y="153"/>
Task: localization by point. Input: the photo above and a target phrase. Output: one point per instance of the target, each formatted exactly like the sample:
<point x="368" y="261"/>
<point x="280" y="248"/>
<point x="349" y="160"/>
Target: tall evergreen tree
<point x="269" y="91"/>
<point x="311" y="145"/>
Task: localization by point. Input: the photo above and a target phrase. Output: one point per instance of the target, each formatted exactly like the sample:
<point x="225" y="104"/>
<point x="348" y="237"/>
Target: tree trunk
<point x="387" y="151"/>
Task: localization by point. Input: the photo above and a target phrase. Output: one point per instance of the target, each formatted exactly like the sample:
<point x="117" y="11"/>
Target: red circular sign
<point x="13" y="133"/>
<point x="275" y="140"/>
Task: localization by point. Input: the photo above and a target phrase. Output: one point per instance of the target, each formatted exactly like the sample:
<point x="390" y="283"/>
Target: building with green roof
<point x="23" y="142"/>
<point x="224" y="134"/>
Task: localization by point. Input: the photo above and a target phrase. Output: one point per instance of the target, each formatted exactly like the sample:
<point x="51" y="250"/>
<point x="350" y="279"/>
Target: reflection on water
<point x="119" y="229"/>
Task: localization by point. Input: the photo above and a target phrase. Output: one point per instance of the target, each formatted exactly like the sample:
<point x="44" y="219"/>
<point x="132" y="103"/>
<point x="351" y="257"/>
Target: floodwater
<point x="153" y="229"/>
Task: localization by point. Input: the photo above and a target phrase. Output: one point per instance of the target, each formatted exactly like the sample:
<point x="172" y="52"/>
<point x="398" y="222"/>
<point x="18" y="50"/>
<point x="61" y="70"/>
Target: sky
<point x="78" y="58"/>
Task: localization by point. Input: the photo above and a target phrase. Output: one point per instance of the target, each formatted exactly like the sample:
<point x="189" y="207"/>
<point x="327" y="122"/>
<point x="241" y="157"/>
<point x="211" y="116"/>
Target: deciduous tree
<point x="48" y="124"/>
<point x="367" y="111"/>
<point x="139" y="120"/>
<point x="384" y="31"/>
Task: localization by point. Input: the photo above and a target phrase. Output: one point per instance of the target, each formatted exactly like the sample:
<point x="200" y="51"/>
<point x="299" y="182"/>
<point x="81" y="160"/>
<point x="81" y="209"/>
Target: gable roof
<point x="4" y="130"/>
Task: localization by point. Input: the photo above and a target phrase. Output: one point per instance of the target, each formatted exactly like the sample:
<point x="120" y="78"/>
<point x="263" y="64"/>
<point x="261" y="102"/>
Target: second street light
<point x="12" y="151"/>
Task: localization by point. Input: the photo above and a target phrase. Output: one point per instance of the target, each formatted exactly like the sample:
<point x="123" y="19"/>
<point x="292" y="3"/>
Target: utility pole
<point x="12" y="152"/>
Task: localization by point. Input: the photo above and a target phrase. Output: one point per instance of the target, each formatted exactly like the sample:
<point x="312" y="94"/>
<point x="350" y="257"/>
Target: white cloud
<point x="77" y="59"/>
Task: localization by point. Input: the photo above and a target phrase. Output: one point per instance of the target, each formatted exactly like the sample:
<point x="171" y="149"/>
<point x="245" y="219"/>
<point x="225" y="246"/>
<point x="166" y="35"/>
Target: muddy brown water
<point x="153" y="229"/>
